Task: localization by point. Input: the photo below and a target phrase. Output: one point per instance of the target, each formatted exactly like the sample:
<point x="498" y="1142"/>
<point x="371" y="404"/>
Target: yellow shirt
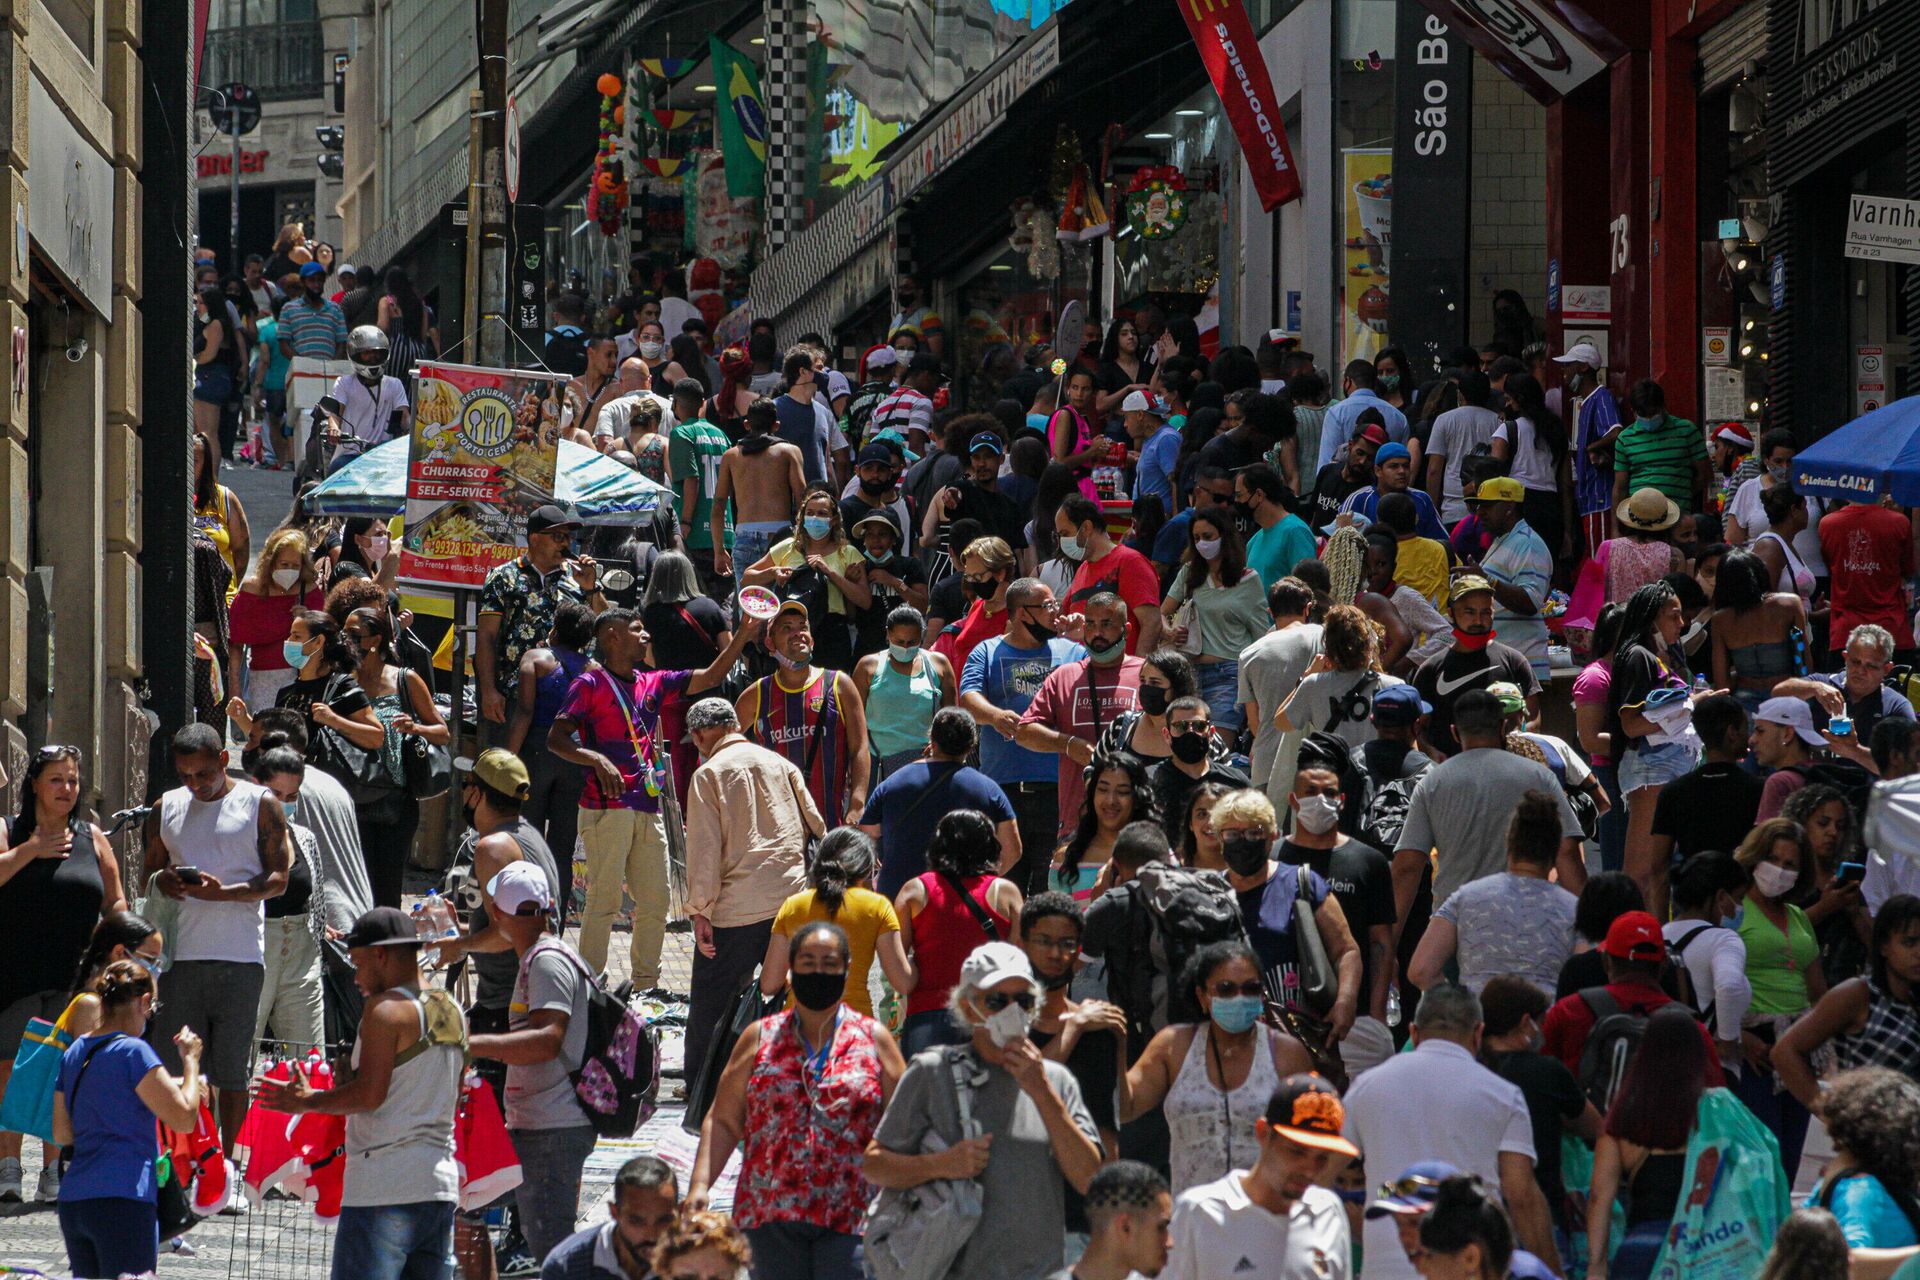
<point x="865" y="915"/>
<point x="1422" y="565"/>
<point x="785" y="554"/>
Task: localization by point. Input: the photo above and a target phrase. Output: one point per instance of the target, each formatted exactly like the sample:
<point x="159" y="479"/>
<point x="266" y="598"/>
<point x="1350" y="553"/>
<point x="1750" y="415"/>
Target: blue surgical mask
<point x="294" y="652"/>
<point x="291" y="807"/>
<point x="1235" y="1014"/>
<point x="1111" y="653"/>
<point x="1070" y="547"/>
<point x="876" y="559"/>
<point x="1733" y="921"/>
<point x="903" y="652"/>
<point x="817" y="526"/>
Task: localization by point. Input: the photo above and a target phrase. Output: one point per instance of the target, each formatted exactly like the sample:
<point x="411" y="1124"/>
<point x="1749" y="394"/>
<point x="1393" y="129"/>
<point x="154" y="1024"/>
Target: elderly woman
<point x="805" y="1089"/>
<point x="998" y="1112"/>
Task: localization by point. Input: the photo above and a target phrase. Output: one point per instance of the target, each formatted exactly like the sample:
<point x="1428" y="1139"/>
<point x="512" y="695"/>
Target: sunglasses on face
<point x="1227" y="990"/>
<point x="1188" y="726"/>
<point x="995" y="1001"/>
<point x="1408" y="1186"/>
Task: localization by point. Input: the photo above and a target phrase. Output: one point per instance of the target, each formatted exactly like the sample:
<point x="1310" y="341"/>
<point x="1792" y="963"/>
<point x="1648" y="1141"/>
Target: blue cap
<point x="1414" y="1191"/>
<point x="1391" y="450"/>
<point x="311" y="269"/>
<point x="1399" y="704"/>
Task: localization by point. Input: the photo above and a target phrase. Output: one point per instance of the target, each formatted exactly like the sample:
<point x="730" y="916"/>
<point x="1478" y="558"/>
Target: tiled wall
<point x="1509" y="198"/>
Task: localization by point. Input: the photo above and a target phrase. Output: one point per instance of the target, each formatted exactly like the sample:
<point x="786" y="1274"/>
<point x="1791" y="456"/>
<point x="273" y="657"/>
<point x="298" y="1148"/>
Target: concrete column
<point x="69" y="525"/>
<point x="14" y="529"/>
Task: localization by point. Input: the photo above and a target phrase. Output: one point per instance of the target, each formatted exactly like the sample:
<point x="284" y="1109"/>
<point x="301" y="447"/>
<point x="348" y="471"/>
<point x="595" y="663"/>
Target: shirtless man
<point x="764" y="478"/>
<point x="590" y="392"/>
<point x="613" y="422"/>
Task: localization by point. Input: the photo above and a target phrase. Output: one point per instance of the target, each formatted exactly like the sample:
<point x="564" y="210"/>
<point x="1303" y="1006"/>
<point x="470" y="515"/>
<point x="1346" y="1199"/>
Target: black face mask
<point x="1153" y="699"/>
<point x="1245" y="855"/>
<point x="874" y="489"/>
<point x="817" y="991"/>
<point x="1189" y="748"/>
<point x="978" y="590"/>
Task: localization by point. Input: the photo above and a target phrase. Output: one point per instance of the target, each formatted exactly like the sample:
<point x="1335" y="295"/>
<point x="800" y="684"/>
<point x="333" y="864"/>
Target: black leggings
<point x="386" y="839"/>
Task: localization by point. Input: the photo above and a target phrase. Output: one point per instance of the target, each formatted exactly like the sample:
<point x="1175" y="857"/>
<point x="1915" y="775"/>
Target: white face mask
<point x="376" y="547"/>
<point x="651" y="350"/>
<point x="1773" y="880"/>
<point x="1317" y="814"/>
<point x="1008" y="1025"/>
<point x="285" y="579"/>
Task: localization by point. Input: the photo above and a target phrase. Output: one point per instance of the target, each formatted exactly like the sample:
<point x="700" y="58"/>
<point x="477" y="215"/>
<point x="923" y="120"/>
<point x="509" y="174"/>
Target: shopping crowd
<point x="1176" y="822"/>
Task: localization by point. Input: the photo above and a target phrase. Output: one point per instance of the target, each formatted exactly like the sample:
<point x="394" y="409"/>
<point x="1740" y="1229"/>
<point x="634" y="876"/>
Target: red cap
<point x="1635" y="936"/>
<point x="1374" y="433"/>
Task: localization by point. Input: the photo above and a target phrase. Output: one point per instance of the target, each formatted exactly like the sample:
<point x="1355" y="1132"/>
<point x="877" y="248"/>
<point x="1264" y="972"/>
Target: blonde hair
<point x="694" y="1230"/>
<point x="991" y="552"/>
<point x="1246" y="807"/>
<point x="1760" y="841"/>
<point x="280" y="540"/>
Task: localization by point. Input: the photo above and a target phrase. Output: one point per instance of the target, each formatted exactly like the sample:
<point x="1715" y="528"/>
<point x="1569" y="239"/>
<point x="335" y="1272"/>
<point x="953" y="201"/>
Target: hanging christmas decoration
<point x="607" y="192"/>
<point x="1156" y="202"/>
<point x="1082" y="216"/>
<point x="1033" y="235"/>
<point x="1062" y="163"/>
<point x="667" y="166"/>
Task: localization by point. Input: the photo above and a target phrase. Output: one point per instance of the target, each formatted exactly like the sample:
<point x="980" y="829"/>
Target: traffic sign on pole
<point x="513" y="150"/>
<point x="235" y="109"/>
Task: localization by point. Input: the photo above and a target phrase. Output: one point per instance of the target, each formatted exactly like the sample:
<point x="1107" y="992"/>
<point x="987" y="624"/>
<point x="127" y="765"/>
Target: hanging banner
<point x="742" y="120"/>
<point x="1231" y="53"/>
<point x="484" y="451"/>
<point x="1432" y="164"/>
<point x="1367" y="253"/>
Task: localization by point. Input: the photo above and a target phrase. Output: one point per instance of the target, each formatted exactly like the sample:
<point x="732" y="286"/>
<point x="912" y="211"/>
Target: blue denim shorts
<point x="1655" y="766"/>
<point x="394" y="1242"/>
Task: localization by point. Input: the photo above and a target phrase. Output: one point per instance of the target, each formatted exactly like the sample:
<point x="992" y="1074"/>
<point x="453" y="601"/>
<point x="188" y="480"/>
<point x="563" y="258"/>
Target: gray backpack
<point x="917" y="1233"/>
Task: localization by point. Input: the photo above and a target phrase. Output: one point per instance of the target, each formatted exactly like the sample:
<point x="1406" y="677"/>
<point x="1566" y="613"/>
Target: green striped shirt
<point x="1661" y="458"/>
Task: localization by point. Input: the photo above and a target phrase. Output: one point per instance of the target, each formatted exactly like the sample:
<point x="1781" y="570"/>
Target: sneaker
<point x="520" y="1262"/>
<point x="10" y="1180"/>
<point x="48" y="1191"/>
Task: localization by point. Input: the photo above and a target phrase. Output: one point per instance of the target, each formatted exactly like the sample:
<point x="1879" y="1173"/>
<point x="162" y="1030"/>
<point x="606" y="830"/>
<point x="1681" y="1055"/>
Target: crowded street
<point x="812" y="640"/>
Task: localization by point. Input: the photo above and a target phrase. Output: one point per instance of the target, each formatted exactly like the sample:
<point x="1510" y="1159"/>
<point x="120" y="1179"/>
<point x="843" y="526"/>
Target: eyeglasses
<point x="155" y="965"/>
<point x="1227" y="990"/>
<point x="1068" y="943"/>
<point x="53" y="751"/>
<point x="995" y="1001"/>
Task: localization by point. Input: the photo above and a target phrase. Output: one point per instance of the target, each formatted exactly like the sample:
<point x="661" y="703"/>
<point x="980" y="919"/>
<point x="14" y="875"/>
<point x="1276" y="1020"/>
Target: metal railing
<point x="280" y="61"/>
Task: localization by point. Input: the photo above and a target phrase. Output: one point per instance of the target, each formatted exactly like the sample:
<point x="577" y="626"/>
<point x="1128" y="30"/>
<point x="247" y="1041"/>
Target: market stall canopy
<point x="1874" y="454"/>
<point x="601" y="490"/>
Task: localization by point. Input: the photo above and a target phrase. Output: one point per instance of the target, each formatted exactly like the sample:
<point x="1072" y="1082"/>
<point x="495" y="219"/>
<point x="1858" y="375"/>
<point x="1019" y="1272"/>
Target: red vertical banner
<point x="1231" y="53"/>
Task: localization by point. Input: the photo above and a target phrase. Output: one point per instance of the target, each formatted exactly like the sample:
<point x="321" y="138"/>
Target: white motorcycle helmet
<point x="367" y="347"/>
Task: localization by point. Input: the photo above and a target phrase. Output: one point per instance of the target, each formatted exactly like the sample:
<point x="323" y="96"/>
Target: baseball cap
<point x="1374" y="433"/>
<point x="1793" y="713"/>
<point x="1581" y="353"/>
<point x="1468" y="583"/>
<point x="987" y="442"/>
<point x="924" y="362"/>
<point x="1634" y="935"/>
<point x="1393" y="449"/>
<point x="1499" y="489"/>
<point x="873" y="453"/>
<point x="1399" y="705"/>
<point x="500" y="769"/>
<point x="882" y="356"/>
<point x="311" y="269"/>
<point x="382" y="927"/>
<point x="880" y="516"/>
<point x="791" y="606"/>
<point x="1414" y="1191"/>
<point x="347" y="269"/>
<point x="518" y="885"/>
<point x="1508" y="695"/>
<point x="551" y="516"/>
<point x="993" y="963"/>
<point x="1141" y="402"/>
<point x="1307" y="1109"/>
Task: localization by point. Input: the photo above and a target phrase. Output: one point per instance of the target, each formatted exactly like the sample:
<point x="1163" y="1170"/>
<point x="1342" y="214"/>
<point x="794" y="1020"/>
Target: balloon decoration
<point x="607" y="193"/>
<point x="1156" y="202"/>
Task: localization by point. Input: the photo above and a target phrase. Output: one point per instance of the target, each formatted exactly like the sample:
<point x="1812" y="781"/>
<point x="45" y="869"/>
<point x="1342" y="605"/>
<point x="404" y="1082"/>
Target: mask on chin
<point x="1472" y="641"/>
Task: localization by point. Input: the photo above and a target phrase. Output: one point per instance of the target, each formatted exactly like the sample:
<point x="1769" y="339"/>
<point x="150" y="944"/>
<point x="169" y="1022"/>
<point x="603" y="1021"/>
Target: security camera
<point x="77" y="350"/>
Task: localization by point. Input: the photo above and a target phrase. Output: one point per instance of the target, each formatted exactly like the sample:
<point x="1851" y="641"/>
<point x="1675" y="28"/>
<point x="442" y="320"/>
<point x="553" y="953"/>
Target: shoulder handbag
<point x="974" y="909"/>
<point x="918" y="1232"/>
<point x="362" y="772"/>
<point x="429" y="767"/>
<point x="1319" y="984"/>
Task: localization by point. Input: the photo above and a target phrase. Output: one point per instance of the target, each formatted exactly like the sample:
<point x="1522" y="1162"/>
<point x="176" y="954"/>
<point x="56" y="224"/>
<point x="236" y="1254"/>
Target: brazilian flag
<point x="743" y="120"/>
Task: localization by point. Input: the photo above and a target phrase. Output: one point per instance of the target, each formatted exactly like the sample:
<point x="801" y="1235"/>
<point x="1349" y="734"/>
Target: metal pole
<point x="233" y="214"/>
<point x="470" y="309"/>
<point x="458" y="688"/>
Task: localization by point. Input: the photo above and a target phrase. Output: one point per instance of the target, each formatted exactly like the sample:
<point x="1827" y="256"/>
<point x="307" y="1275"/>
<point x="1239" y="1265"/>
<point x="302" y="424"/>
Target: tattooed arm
<point x="276" y="860"/>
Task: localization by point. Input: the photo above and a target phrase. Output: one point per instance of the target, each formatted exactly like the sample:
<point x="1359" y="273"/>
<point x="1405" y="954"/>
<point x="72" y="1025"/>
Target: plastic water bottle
<point x="1393" y="1004"/>
<point x="433" y="920"/>
<point x="1701" y="686"/>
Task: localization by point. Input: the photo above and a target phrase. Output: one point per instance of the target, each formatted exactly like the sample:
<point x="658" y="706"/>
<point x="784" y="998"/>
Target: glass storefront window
<point x="582" y="260"/>
<point x="1001" y="308"/>
<point x="1177" y="272"/>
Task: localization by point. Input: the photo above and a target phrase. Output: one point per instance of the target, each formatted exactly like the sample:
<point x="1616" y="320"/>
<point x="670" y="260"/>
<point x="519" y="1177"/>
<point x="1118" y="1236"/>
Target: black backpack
<point x="566" y="352"/>
<point x="1172" y="912"/>
<point x="1689" y="995"/>
<point x="1849" y="779"/>
<point x="1382" y="807"/>
<point x="1610" y="1045"/>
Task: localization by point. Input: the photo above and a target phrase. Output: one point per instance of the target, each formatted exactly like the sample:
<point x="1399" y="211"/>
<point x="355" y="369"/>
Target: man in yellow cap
<point x="1474" y="661"/>
<point x="1518" y="565"/>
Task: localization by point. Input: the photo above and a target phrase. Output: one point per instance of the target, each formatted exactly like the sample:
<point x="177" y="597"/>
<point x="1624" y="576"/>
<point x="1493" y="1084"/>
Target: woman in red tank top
<point x="945" y="914"/>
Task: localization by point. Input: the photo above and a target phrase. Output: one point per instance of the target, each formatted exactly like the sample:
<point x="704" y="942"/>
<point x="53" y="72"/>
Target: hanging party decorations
<point x="607" y="193"/>
<point x="667" y="68"/>
<point x="671" y="118"/>
<point x="1082" y="216"/>
<point x="1156" y="202"/>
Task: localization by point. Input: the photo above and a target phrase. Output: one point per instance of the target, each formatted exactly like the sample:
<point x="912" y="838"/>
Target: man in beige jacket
<point x="748" y="818"/>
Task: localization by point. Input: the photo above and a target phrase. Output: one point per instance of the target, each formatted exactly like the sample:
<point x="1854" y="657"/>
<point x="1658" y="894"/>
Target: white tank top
<point x="1213" y="1131"/>
<point x="220" y="837"/>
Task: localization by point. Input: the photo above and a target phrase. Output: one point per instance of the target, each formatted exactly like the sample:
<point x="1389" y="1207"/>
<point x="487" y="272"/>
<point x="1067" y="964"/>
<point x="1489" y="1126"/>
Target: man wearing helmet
<point x="365" y="407"/>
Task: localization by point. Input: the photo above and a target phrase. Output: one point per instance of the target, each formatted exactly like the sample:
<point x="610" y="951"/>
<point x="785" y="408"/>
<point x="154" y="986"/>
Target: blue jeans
<point x="394" y="1242"/>
<point x="110" y="1237"/>
<point x="802" y="1251"/>
<point x="1613" y="824"/>
<point x="1220" y="686"/>
<point x="753" y="540"/>
<point x="549" y="1192"/>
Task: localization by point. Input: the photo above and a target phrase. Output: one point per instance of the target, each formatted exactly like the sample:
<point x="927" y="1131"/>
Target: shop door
<point x="1880" y="323"/>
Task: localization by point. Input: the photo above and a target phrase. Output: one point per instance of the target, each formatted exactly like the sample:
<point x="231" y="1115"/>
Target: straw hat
<point x="1649" y="511"/>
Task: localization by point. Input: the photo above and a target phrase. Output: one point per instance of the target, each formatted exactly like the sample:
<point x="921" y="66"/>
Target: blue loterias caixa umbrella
<point x="1875" y="454"/>
<point x="600" y="490"/>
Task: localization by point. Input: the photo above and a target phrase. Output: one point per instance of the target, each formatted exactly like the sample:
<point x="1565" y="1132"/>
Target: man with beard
<point x="1077" y="701"/>
<point x="762" y="476"/>
<point x="811" y="716"/>
<point x="976" y="495"/>
<point x="1475" y="661"/>
<point x="311" y="325"/>
<point x="1339" y="480"/>
<point x="644" y="1204"/>
<point x="1277" y="539"/>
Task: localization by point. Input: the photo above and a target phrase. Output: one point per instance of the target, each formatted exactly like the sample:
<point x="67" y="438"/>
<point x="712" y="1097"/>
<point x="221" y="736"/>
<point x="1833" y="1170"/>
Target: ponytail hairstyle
<point x="1466" y="1212"/>
<point x="116" y="929"/>
<point x="123" y="982"/>
<point x="844" y="859"/>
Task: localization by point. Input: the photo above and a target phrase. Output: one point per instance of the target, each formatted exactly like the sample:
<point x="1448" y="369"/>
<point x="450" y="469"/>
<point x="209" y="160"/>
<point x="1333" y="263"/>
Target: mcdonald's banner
<point x="1231" y="53"/>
